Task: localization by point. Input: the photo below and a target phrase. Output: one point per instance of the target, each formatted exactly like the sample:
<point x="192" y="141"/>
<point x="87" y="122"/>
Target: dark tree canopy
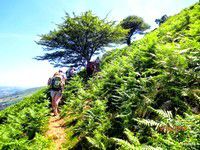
<point x="78" y="38"/>
<point x="161" y="20"/>
<point x="133" y="24"/>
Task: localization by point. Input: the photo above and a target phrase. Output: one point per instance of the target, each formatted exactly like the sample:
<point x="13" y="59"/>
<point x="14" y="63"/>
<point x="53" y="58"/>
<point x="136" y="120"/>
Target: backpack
<point x="56" y="83"/>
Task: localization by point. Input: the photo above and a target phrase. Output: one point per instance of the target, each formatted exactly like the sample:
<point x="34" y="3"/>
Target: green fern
<point x="162" y="113"/>
<point x="124" y="145"/>
<point x="132" y="139"/>
<point x="149" y="123"/>
<point x="95" y="143"/>
<point x="133" y="143"/>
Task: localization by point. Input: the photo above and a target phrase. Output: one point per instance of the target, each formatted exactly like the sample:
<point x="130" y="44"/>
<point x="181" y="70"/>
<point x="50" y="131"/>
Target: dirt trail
<point x="56" y="131"/>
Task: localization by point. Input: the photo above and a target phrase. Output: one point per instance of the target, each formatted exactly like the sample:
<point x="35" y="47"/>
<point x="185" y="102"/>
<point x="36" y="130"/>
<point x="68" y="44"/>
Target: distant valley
<point x="12" y="95"/>
<point x="6" y="90"/>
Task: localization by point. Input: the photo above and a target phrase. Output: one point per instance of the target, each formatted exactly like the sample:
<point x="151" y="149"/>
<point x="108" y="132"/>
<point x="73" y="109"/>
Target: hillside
<point x="146" y="96"/>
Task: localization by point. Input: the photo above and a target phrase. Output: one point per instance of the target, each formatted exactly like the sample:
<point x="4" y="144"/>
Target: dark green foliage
<point x="78" y="39"/>
<point x="133" y="23"/>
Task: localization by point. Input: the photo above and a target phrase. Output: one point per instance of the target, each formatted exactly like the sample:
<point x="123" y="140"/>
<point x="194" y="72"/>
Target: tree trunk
<point x="128" y="41"/>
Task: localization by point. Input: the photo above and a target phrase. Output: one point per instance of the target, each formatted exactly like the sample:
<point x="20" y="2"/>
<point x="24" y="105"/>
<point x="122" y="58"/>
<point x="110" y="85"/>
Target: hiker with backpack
<point x="93" y="67"/>
<point x="57" y="88"/>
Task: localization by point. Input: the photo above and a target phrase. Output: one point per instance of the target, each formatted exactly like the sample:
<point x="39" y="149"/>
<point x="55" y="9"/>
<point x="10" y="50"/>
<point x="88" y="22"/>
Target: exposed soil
<point x="56" y="131"/>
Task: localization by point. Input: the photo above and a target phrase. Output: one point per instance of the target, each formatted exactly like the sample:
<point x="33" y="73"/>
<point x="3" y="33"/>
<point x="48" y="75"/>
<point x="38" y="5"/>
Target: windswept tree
<point x="78" y="38"/>
<point x="161" y="20"/>
<point x="133" y="24"/>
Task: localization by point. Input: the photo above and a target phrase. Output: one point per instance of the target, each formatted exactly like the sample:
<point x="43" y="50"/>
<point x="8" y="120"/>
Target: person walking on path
<point x="57" y="88"/>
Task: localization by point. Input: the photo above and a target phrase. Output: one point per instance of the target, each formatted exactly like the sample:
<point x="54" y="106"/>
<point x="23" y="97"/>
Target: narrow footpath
<point x="56" y="131"/>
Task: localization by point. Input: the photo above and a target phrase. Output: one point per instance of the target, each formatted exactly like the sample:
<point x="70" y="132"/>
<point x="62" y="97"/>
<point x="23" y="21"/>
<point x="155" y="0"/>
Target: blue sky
<point x="21" y="21"/>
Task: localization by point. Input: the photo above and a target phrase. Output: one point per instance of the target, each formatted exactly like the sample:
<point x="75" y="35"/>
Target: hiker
<point x="70" y="73"/>
<point x="93" y="67"/>
<point x="57" y="87"/>
<point x="90" y="68"/>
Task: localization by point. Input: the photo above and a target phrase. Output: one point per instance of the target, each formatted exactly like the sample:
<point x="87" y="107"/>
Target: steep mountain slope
<point x="145" y="96"/>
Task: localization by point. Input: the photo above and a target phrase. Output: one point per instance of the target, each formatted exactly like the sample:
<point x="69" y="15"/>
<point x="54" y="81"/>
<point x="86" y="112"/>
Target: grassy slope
<point x="150" y="89"/>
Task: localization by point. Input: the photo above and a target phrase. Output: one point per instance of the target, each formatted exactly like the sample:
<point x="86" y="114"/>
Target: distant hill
<point x="6" y="90"/>
<point x="12" y="95"/>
